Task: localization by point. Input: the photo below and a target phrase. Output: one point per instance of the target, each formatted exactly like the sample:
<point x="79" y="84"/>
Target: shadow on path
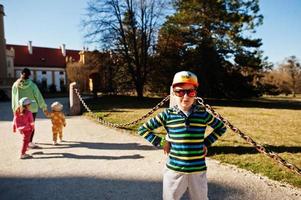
<point x="43" y="155"/>
<point x="98" y="145"/>
<point x="82" y="188"/>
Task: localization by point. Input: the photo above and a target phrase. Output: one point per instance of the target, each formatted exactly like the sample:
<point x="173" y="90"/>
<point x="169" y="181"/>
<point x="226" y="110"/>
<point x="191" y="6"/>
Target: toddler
<point x="24" y="123"/>
<point x="58" y="121"/>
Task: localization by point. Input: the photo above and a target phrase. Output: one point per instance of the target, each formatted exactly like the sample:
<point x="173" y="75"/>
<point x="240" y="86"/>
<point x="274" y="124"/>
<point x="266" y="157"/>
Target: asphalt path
<point x="96" y="162"/>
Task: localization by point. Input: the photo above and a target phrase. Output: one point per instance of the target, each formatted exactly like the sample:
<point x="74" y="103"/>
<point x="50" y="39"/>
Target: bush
<point x="42" y="87"/>
<point x="3" y="96"/>
<point x="52" y="88"/>
<point x="63" y="88"/>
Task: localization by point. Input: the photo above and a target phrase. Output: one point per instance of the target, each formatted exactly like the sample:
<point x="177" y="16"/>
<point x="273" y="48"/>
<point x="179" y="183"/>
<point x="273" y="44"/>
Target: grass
<point x="272" y="122"/>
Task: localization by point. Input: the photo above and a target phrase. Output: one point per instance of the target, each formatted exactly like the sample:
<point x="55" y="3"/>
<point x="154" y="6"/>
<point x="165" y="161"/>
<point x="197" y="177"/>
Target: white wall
<point x="48" y="75"/>
<point x="49" y="78"/>
<point x="39" y="76"/>
<point x="58" y="77"/>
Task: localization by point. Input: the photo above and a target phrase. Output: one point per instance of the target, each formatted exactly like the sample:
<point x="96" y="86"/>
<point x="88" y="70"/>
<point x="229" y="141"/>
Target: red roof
<point x="41" y="56"/>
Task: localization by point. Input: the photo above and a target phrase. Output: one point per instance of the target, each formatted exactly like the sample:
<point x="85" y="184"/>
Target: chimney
<point x="63" y="48"/>
<point x="30" y="47"/>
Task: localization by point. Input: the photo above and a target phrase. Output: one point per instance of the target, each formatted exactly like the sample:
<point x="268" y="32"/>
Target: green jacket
<point x="27" y="88"/>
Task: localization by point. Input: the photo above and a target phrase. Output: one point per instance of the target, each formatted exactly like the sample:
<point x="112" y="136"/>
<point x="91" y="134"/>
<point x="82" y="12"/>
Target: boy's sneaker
<point x="32" y="145"/>
<point x="54" y="143"/>
<point x="25" y="156"/>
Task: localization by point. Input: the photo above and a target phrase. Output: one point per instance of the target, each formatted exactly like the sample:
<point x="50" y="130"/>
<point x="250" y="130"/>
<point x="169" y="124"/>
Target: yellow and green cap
<point x="185" y="77"/>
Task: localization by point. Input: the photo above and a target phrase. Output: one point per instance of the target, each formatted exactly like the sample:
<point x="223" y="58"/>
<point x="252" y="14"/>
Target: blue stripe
<point x="199" y="129"/>
<point x="204" y="114"/>
<point x="173" y="117"/>
<point x="185" y="163"/>
<point x="155" y="123"/>
<point x="211" y="138"/>
<point x="150" y="137"/>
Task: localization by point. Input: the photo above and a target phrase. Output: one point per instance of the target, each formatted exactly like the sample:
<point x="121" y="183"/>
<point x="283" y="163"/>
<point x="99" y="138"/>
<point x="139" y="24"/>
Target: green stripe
<point x="209" y="118"/>
<point x="219" y="125"/>
<point x="179" y="153"/>
<point x="201" y="121"/>
<point x="186" y="169"/>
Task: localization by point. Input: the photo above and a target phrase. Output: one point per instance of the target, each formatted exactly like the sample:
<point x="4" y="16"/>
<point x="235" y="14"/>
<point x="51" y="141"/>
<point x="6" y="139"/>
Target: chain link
<point x="247" y="138"/>
<point x="124" y="125"/>
<point x="259" y="147"/>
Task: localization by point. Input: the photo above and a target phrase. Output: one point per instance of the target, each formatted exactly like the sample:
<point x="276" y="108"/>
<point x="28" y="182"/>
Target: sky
<point x="50" y="23"/>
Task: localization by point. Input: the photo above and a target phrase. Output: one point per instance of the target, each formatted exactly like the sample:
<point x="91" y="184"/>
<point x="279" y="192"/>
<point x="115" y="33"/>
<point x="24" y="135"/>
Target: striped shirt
<point x="186" y="135"/>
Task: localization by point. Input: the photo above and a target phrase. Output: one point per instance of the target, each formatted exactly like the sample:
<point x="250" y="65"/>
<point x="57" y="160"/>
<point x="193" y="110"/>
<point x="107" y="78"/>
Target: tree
<point x="214" y="39"/>
<point x="275" y="82"/>
<point x="292" y="68"/>
<point x="127" y="27"/>
<point x="78" y="72"/>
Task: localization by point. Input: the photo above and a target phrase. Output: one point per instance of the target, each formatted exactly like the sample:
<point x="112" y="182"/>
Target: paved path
<point x="96" y="162"/>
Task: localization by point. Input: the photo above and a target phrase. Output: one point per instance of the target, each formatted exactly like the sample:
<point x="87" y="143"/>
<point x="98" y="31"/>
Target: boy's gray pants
<point x="175" y="184"/>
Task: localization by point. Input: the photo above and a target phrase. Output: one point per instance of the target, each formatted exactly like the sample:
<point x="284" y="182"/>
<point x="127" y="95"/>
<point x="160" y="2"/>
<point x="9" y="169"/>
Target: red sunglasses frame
<point x="182" y="92"/>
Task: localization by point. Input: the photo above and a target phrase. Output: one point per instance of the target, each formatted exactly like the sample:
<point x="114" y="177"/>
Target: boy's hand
<point x="166" y="147"/>
<point x="205" y="150"/>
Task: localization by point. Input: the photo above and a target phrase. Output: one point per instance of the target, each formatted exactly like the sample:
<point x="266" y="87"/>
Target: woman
<point x="24" y="87"/>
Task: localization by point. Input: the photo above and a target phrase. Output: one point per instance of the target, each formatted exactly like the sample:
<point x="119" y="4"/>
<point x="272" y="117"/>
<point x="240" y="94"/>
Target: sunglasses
<point x="181" y="93"/>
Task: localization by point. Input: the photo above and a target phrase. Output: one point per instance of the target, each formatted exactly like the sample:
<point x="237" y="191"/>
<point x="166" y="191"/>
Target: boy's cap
<point x="24" y="101"/>
<point x="56" y="106"/>
<point x="185" y="77"/>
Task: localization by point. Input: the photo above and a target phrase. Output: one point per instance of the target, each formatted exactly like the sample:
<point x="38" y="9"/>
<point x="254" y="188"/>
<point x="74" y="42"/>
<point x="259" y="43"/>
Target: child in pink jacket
<point x="24" y="123"/>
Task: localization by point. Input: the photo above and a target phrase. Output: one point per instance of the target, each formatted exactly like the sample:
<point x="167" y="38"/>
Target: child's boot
<point x="25" y="156"/>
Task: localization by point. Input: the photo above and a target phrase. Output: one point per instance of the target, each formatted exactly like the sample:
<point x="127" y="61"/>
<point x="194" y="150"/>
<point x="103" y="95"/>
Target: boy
<point x="186" y="145"/>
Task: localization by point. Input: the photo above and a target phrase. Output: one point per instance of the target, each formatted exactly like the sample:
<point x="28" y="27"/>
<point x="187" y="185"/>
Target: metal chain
<point x="116" y="125"/>
<point x="259" y="147"/>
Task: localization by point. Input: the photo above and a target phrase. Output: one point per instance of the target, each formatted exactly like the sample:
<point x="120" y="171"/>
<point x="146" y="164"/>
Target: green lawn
<point x="273" y="122"/>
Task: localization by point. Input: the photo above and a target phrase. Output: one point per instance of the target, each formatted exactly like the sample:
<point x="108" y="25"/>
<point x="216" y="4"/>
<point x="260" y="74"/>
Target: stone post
<point x="75" y="107"/>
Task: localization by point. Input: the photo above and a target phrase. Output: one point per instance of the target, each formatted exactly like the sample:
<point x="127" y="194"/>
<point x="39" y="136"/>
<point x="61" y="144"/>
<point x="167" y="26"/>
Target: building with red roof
<point x="48" y="65"/>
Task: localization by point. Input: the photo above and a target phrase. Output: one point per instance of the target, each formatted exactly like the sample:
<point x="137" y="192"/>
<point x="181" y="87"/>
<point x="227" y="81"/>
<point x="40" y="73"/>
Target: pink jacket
<point x="23" y="121"/>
